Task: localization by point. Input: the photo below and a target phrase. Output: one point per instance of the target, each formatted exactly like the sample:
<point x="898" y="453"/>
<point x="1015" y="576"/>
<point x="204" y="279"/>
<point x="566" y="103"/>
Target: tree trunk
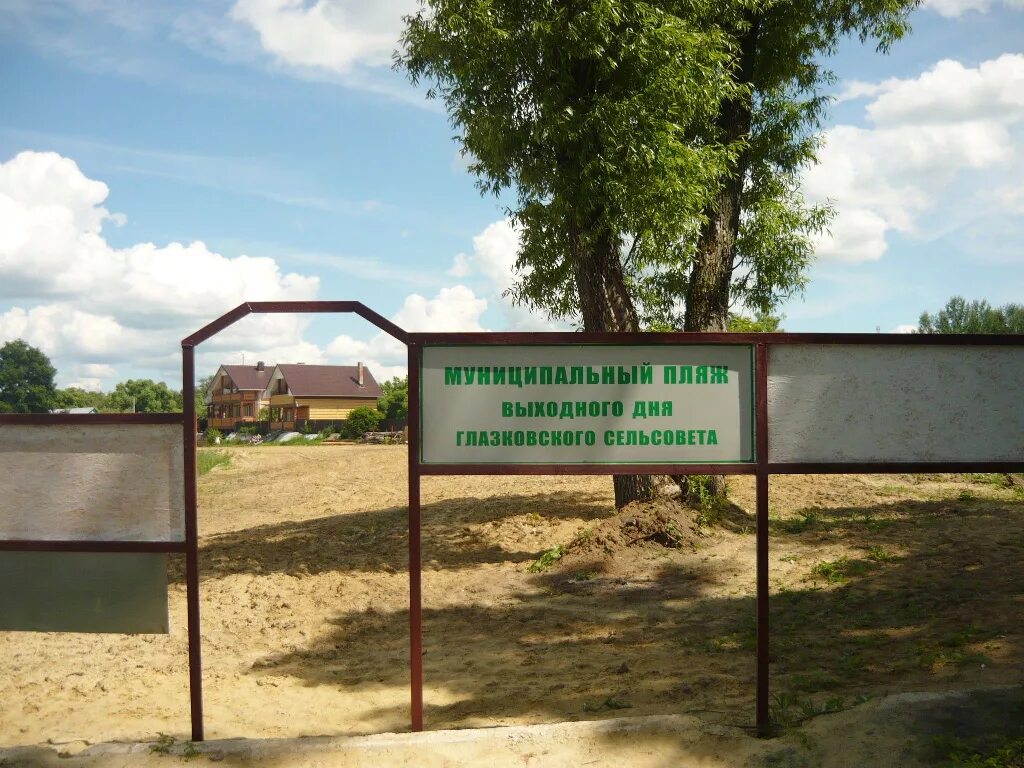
<point x="606" y="307"/>
<point x="707" y="294"/>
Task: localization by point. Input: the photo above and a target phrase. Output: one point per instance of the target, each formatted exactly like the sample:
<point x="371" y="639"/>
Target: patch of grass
<point x="582" y="537"/>
<point x="163" y="744"/>
<point x="880" y="555"/>
<point x="808" y="519"/>
<point x="951" y="650"/>
<point x="966" y="495"/>
<point x="1010" y="755"/>
<point x="838" y="571"/>
<point x="207" y="460"/>
<point x="547" y="559"/>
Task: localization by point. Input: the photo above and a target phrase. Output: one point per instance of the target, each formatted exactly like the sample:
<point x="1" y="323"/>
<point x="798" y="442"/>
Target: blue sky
<point x="162" y="162"/>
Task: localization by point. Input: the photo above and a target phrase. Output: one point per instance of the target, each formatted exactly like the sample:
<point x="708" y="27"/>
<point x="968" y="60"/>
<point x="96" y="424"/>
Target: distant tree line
<point x="962" y="316"/>
<point x="27" y="386"/>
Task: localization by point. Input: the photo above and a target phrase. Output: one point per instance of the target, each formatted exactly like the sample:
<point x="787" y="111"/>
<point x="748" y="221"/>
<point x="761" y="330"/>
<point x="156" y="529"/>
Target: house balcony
<point x="226" y="397"/>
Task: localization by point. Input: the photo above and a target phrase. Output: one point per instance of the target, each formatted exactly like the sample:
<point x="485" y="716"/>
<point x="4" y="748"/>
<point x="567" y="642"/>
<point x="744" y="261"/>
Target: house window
<point x="248" y="410"/>
<point x="282" y="387"/>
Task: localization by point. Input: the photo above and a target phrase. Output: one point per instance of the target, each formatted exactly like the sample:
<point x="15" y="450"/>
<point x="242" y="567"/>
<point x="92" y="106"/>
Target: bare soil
<point x="881" y="585"/>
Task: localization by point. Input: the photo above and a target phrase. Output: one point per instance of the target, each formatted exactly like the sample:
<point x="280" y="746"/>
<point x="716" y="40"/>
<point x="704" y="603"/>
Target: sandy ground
<point x="881" y="584"/>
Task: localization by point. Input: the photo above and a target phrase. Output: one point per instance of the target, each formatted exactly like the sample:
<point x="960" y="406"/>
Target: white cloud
<point x="453" y="309"/>
<point x="460" y="266"/>
<point x="956" y="8"/>
<point x="953" y="93"/>
<point x="91" y="306"/>
<point x="905" y="328"/>
<point x="929" y="131"/>
<point x="85" y="300"/>
<point x="856" y="234"/>
<point x="331" y="35"/>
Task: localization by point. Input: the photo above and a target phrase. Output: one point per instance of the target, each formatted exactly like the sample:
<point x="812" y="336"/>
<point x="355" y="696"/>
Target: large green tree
<point x="144" y="396"/>
<point x="655" y="148"/>
<point x="26" y="379"/>
<point x="962" y="316"/>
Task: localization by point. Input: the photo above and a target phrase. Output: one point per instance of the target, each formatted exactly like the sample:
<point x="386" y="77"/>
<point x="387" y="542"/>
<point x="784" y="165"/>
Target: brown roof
<point x="329" y="381"/>
<point x="247" y="377"/>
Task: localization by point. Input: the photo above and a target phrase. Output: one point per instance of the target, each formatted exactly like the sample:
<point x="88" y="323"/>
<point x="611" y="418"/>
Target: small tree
<point x="394" y="403"/>
<point x="26" y="379"/>
<point x="361" y="420"/>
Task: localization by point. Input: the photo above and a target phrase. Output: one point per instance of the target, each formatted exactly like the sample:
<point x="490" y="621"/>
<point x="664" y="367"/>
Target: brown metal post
<point x="195" y="661"/>
<point x="415" y="554"/>
<point x="761" y="432"/>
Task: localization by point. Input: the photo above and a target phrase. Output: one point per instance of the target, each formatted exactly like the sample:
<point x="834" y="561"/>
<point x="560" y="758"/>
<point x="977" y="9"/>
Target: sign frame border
<point x="569" y="465"/>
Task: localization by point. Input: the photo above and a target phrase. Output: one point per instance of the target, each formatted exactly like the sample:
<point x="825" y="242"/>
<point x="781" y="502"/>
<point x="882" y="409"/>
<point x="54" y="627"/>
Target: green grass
<point x="546" y="560"/>
<point x="838" y="571"/>
<point x="207" y="460"/>
<point x="1010" y="755"/>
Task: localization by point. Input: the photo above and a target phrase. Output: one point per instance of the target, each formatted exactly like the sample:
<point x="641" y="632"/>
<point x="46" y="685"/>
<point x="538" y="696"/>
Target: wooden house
<point x="300" y="392"/>
<point x="235" y="396"/>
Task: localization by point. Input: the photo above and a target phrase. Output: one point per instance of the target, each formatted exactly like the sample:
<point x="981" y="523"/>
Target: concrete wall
<point x="836" y="403"/>
<point x="97" y="482"/>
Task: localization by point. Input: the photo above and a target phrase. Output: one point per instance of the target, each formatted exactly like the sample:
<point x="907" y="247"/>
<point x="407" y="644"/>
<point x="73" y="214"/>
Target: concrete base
<point x="908" y="730"/>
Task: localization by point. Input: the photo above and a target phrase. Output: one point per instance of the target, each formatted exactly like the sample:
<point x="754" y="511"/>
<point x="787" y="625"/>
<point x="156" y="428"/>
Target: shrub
<point x="212" y="434"/>
<point x="362" y="419"/>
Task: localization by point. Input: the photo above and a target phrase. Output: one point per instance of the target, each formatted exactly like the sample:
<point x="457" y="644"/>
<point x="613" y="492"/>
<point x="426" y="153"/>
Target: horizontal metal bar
<point x="892" y="467"/>
<point x="39" y="419"/>
<point x="40" y="545"/>
<point x="588" y="469"/>
<point x="541" y="338"/>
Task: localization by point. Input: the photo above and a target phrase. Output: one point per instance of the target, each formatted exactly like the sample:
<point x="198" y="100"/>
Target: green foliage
<point x="362" y="419"/>
<point x="547" y="559"/>
<point x="620" y="124"/>
<point x="201" y="386"/>
<point x="961" y="316"/>
<point x="144" y="396"/>
<point x="207" y="460"/>
<point x="73" y="397"/>
<point x="838" y="571"/>
<point x="394" y="402"/>
<point x="1010" y="755"/>
<point x="213" y="434"/>
<point x="761" y="323"/>
<point x="26" y="379"/>
<point x="589" y="112"/>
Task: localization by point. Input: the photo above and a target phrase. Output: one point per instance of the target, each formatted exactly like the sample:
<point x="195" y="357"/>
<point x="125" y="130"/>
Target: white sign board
<point x="895" y="403"/>
<point x="587" y="404"/>
<point x="93" y="482"/>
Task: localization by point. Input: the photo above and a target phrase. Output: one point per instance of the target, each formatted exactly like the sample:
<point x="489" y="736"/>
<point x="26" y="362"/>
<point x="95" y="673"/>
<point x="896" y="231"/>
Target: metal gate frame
<point x="761" y="468"/>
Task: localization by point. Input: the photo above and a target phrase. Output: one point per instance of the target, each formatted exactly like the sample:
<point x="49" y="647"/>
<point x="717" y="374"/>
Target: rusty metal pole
<point x="761" y="433"/>
<point x="415" y="551"/>
<point x="195" y="661"/>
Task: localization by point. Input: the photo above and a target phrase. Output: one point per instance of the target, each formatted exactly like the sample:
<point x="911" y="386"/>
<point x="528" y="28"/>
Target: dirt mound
<point x="657" y="523"/>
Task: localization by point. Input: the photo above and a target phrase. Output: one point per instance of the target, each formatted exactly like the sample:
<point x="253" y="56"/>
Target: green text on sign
<point x="587" y="404"/>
